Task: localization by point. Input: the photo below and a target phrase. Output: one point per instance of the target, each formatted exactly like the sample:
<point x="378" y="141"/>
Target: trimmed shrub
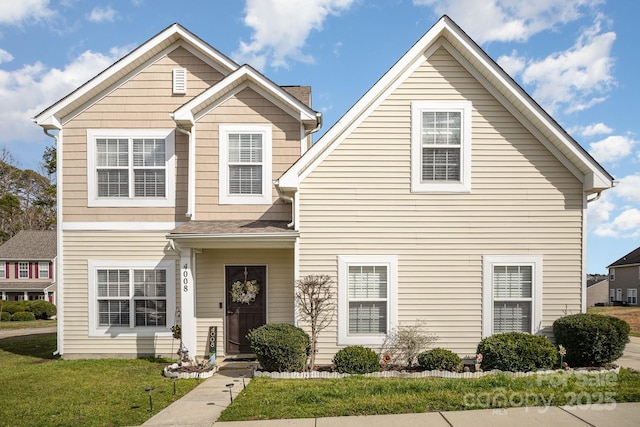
<point x="23" y="316"/>
<point x="591" y="339"/>
<point x="356" y="359"/>
<point x="43" y="309"/>
<point x="440" y="359"/>
<point x="280" y="347"/>
<point x="517" y="351"/>
<point x="5" y="316"/>
<point x="15" y="306"/>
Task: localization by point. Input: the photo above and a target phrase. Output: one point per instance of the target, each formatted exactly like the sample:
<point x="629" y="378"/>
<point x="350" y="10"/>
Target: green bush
<point x="15" y="306"/>
<point x="43" y="309"/>
<point x="5" y="316"/>
<point x="591" y="339"/>
<point x="23" y="316"/>
<point x="517" y="351"/>
<point x="440" y="359"/>
<point x="280" y="347"/>
<point x="356" y="359"/>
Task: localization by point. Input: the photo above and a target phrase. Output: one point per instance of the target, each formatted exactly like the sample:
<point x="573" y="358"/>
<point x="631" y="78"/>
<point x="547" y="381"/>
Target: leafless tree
<point x="316" y="302"/>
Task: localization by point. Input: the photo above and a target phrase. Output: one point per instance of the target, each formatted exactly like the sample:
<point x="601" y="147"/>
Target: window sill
<point x="131" y="203"/>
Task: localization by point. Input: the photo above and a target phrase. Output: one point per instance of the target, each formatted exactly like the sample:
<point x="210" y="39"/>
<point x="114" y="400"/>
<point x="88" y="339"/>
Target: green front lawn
<point x="266" y="398"/>
<point x="39" y="389"/>
<point x="24" y="325"/>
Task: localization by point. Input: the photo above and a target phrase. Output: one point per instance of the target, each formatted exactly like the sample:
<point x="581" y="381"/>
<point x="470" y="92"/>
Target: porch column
<point x="4" y="296"/>
<point x="187" y="300"/>
<point x="26" y="296"/>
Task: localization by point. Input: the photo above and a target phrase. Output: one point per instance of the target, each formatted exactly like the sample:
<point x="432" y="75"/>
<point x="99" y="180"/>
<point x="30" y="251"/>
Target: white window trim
<point x="3" y="270"/>
<point x="344" y="261"/>
<point x="20" y="270"/>
<point x="41" y="268"/>
<point x="612" y="295"/>
<point x="488" y="262"/>
<point x="612" y="274"/>
<point x="92" y="177"/>
<point x="224" y="197"/>
<point x="417" y="186"/>
<point x="632" y="296"/>
<point x="101" y="331"/>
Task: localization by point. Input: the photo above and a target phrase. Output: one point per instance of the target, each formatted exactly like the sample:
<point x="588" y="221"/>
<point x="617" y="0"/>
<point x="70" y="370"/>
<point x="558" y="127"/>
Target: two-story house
<point x="189" y="192"/>
<point x="27" y="267"/>
<point x="624" y="279"/>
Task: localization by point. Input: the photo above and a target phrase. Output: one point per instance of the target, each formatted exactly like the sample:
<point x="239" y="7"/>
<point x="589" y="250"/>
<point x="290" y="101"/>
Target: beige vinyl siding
<point x="143" y="102"/>
<point x="79" y="247"/>
<point x="246" y="107"/>
<point x="522" y="201"/>
<point x="210" y="287"/>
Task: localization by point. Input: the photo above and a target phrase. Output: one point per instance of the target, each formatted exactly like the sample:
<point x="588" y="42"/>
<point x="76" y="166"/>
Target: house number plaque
<point x="185" y="277"/>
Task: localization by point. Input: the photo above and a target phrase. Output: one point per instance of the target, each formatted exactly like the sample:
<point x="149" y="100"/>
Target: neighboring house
<point x="27" y="267"/>
<point x="624" y="279"/>
<point x="445" y="195"/>
<point x="598" y="292"/>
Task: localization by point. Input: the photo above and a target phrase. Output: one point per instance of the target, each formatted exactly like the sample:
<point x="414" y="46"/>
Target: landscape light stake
<point x="149" y="390"/>
<point x="229" y="386"/>
<point x="174" y="385"/>
<point x="243" y="384"/>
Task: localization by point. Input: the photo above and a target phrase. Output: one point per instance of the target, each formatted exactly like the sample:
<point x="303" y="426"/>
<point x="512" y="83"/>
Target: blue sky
<point x="577" y="58"/>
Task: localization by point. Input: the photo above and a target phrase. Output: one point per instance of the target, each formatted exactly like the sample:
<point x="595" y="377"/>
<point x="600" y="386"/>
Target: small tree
<point x="315" y="298"/>
<point x="405" y="342"/>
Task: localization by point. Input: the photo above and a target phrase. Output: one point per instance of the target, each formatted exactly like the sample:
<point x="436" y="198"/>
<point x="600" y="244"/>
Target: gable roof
<point x="30" y="245"/>
<point x="447" y="34"/>
<point x="631" y="258"/>
<point x="171" y="37"/>
<point x="243" y="77"/>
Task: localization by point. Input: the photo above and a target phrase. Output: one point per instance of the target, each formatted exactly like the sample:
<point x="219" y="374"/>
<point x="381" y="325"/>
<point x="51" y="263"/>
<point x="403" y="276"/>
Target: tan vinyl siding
<point x="210" y="287"/>
<point x="246" y="107"/>
<point x="522" y="201"/>
<point x="79" y="247"/>
<point x="143" y="102"/>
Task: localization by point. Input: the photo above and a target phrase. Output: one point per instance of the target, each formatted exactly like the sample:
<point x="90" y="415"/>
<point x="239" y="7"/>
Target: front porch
<point x="216" y="254"/>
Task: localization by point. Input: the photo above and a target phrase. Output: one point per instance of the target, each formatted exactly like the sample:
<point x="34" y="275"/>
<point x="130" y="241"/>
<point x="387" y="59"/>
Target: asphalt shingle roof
<point x="632" y="257"/>
<point x="30" y="245"/>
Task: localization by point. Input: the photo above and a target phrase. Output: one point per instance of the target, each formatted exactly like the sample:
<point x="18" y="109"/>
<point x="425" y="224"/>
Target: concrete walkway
<point x="6" y="333"/>
<point x="631" y="356"/>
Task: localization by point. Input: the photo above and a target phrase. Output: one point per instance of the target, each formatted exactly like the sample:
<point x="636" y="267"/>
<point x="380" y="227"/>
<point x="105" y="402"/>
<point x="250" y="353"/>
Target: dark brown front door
<point x="244" y="312"/>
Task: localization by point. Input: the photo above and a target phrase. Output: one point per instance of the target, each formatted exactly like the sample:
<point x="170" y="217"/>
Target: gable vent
<point x="179" y="80"/>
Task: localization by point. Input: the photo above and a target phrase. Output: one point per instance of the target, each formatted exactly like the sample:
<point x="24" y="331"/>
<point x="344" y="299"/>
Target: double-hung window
<point x="130" y="167"/>
<point x="367" y="298"/>
<point x="3" y="270"/>
<point x="245" y="164"/>
<point x="23" y="270"/>
<point x="440" y="146"/>
<point x="43" y="270"/>
<point x="128" y="297"/>
<point x="632" y="296"/>
<point x="512" y="292"/>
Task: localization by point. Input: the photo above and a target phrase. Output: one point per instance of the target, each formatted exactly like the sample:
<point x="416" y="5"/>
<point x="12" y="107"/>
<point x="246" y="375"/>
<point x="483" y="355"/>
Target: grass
<point x="39" y="389"/>
<point x="266" y="398"/>
<point x="22" y="325"/>
<point x="631" y="315"/>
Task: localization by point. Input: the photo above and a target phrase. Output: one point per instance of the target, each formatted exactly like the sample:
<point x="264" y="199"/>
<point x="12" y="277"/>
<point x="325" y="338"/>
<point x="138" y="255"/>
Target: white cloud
<point x="27" y="91"/>
<point x="5" y="56"/>
<point x="281" y="29"/>
<point x="628" y="188"/>
<point x="599" y="212"/>
<point x="512" y="64"/>
<point x="509" y="20"/>
<point x="611" y="149"/>
<point x="102" y="14"/>
<point x="625" y="225"/>
<point x="18" y="11"/>
<point x="594" y="129"/>
<point x="577" y="77"/>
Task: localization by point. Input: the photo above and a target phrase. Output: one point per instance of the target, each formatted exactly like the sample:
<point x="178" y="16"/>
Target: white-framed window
<point x="612" y="274"/>
<point x="3" y="270"/>
<point x="23" y="270"/>
<point x="131" y="297"/>
<point x="612" y="295"/>
<point x="632" y="296"/>
<point x="131" y="167"/>
<point x="441" y="146"/>
<point x="245" y="164"/>
<point x="511" y="294"/>
<point x="43" y="270"/>
<point x="618" y="294"/>
<point x="367" y="298"/>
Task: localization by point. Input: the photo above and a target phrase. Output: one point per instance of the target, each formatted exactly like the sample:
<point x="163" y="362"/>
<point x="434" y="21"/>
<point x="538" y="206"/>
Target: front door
<point x="246" y="302"/>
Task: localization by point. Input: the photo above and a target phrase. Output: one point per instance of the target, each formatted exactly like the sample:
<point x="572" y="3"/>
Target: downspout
<point x="58" y="271"/>
<point x="287" y="199"/>
<point x="191" y="172"/>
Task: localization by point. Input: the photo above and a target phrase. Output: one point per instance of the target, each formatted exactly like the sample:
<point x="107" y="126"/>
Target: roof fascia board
<point x="407" y="64"/>
<point x="130" y="59"/>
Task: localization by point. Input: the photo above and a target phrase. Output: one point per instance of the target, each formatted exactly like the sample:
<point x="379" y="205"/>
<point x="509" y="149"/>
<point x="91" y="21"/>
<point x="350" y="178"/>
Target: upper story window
<point x="43" y="270"/>
<point x="130" y="167"/>
<point x="23" y="270"/>
<point x="612" y="274"/>
<point x="440" y="146"/>
<point x="3" y="270"/>
<point x="245" y="164"/>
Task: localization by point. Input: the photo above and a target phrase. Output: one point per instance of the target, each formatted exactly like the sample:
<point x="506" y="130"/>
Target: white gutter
<point x="287" y="199"/>
<point x="191" y="172"/>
